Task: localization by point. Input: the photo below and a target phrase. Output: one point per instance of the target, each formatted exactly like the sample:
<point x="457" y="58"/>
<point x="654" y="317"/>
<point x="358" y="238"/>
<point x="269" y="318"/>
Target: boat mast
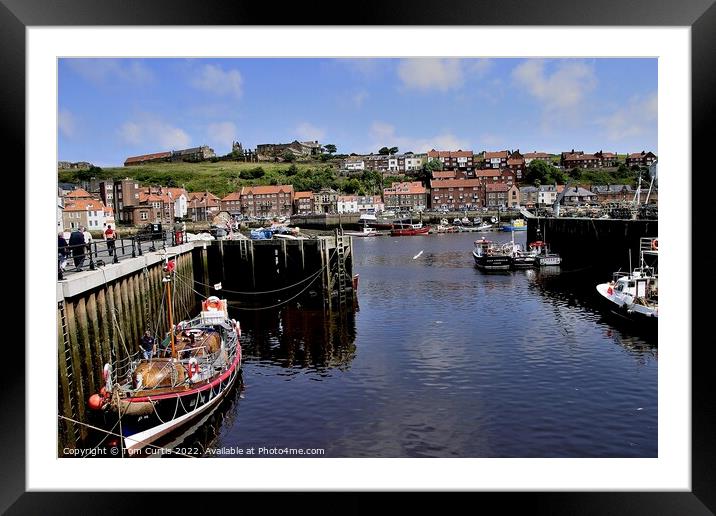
<point x="169" y="269"/>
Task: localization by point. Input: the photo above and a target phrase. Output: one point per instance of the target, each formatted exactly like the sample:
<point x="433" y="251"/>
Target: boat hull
<point x="410" y="232"/>
<point x="644" y="317"/>
<point x="172" y="411"/>
<point x="492" y="263"/>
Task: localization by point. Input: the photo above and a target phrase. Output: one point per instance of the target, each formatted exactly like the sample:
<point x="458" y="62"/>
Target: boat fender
<point x="655" y="245"/>
<point x="139" y="381"/>
<point x="107" y="377"/>
<point x="193" y="368"/>
<point x="95" y="402"/>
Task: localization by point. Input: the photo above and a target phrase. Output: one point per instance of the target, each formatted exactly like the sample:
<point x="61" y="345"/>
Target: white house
<point x="347" y="204"/>
<point x="181" y="201"/>
<point x="546" y="195"/>
<point x="353" y="165"/>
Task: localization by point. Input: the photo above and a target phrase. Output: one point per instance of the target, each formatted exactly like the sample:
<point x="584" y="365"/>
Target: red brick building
<point x="456" y="194"/>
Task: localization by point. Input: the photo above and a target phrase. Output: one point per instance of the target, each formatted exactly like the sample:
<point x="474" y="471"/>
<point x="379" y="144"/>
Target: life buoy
<point x="213" y="303"/>
<point x="655" y="245"/>
<point x="193" y="367"/>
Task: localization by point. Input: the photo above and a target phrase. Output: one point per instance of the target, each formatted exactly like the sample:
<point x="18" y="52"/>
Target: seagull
<point x="417" y="255"/>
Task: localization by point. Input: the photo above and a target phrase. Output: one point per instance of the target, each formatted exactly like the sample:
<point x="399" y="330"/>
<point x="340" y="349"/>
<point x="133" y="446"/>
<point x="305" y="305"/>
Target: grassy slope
<point x="219" y="178"/>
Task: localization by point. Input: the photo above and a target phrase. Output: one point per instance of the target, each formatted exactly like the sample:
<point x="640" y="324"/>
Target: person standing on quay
<point x="78" y="246"/>
<point x="110" y="235"/>
<point x="62" y="251"/>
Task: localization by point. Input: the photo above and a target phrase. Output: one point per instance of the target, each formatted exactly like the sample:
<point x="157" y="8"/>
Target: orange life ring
<point x="213" y="303"/>
<point x="193" y="368"/>
<point x="655" y="245"/>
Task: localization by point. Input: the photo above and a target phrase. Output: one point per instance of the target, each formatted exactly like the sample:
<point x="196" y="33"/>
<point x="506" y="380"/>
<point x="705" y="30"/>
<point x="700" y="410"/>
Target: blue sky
<point x="110" y="109"/>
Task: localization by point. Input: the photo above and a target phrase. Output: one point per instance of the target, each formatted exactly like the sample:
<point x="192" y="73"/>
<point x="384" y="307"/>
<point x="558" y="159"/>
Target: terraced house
<point x="406" y="196"/>
<point x="456" y="194"/>
<point x="454" y="160"/>
<point x="266" y="201"/>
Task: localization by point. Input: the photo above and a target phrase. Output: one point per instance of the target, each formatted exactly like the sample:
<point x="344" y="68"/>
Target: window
<point x="143" y="215"/>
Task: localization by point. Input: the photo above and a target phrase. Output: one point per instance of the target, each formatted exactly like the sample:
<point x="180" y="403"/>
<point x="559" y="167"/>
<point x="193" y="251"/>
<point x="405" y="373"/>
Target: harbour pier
<point x="102" y="313"/>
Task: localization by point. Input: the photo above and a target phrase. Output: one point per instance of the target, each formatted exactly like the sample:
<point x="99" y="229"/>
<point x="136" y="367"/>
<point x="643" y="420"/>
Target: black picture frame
<point x="700" y="15"/>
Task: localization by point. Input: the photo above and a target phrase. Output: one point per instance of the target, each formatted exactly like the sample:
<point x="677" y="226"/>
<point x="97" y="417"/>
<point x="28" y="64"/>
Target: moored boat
<point x="152" y="394"/>
<point x="634" y="295"/>
<point x="517" y="225"/>
<point x="543" y="256"/>
<point x="409" y="229"/>
<point x="489" y="256"/>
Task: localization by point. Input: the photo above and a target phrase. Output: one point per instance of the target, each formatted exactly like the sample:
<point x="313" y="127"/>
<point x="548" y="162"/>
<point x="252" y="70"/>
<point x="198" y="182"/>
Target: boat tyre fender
<point x="193" y="368"/>
<point x="655" y="245"/>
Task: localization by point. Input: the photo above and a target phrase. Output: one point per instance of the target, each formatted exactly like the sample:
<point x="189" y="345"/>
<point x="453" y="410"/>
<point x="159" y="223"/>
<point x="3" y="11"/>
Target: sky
<point x="109" y="109"/>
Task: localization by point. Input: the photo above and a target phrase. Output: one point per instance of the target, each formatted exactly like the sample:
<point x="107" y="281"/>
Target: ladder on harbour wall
<point x="341" y="269"/>
<point x="74" y="433"/>
<point x="244" y="249"/>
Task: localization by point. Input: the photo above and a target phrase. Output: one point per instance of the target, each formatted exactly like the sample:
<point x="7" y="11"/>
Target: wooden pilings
<point x="104" y="324"/>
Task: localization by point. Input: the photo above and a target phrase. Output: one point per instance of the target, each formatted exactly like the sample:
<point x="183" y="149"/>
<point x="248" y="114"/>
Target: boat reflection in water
<point x="296" y="337"/>
<point x="565" y="288"/>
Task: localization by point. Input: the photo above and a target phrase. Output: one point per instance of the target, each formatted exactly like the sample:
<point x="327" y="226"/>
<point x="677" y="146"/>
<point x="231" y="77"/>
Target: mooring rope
<point x="196" y="282"/>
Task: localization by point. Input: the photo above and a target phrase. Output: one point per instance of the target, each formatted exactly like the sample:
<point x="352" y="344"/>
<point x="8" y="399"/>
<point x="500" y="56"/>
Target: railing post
<point x="134" y="250"/>
<point x="92" y="265"/>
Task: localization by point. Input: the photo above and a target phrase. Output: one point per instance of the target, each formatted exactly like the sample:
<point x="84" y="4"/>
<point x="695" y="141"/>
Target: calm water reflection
<point x="443" y="360"/>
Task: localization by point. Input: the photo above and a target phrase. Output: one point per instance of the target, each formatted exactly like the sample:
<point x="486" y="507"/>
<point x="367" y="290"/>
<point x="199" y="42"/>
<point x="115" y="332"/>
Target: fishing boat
<point x="634" y="295"/>
<point x="366" y="231"/>
<point x="151" y="396"/>
<point x="543" y="256"/>
<point x="409" y="229"/>
<point x="492" y="257"/>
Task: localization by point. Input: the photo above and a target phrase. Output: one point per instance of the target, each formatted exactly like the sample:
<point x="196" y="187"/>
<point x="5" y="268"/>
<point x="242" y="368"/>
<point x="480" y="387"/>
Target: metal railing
<point x="101" y="253"/>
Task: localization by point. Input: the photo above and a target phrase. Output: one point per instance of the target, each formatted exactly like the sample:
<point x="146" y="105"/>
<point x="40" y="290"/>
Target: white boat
<point x="366" y="231"/>
<point x="543" y="256"/>
<point x="634" y="295"/>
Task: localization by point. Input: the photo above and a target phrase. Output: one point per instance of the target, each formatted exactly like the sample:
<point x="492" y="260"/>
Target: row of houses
<point x="546" y="195"/>
<point x="192" y="154"/>
<point x="469" y="164"/>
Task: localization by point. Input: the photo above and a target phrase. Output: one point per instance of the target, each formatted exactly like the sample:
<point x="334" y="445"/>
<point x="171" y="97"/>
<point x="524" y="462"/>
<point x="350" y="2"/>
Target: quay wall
<point x="102" y="314"/>
<point x="602" y="244"/>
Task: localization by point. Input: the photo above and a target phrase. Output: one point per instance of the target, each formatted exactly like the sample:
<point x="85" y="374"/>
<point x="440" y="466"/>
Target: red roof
<point x="303" y="195"/>
<point x="267" y="189"/>
<point x="80" y="193"/>
<point x="444" y="174"/>
<point x="155" y="197"/>
<point x="146" y="157"/>
<point x="233" y="196"/>
<point x="518" y="161"/>
<point x="498" y="154"/>
<point x="487" y="172"/>
<point x="450" y="154"/>
<point x="455" y="183"/>
<point x="413" y="187"/>
<point x="537" y="155"/>
<point x="84" y="205"/>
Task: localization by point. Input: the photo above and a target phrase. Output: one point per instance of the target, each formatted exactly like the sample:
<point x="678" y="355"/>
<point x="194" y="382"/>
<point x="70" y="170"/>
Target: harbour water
<point x="443" y="360"/>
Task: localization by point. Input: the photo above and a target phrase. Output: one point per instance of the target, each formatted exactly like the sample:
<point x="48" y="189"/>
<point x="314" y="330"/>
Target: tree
<point x="393" y="150"/>
<point x="288" y="156"/>
<point x="292" y="170"/>
<point x="537" y="170"/>
<point x="434" y="164"/>
<point x="330" y="148"/>
<point x="575" y="173"/>
<point x="384" y="151"/>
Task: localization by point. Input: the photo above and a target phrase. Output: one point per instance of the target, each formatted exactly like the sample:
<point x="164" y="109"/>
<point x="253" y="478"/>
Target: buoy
<point x="95" y="402"/>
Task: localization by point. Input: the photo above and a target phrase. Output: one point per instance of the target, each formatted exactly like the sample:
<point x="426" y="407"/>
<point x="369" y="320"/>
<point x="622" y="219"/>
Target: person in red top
<point x="110" y="235"/>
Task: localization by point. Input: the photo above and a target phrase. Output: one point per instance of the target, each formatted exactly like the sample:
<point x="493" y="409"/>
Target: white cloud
<point x="428" y="74"/>
<point x="560" y="93"/>
<point x="359" y="97"/>
<point x="221" y="133"/>
<point x="491" y="141"/>
<point x="480" y="66"/>
<point x="384" y="135"/>
<point x="214" y="79"/>
<point x="151" y="131"/>
<point x="635" y="118"/>
<point x="67" y="123"/>
<point x="102" y="71"/>
<point x="306" y="131"/>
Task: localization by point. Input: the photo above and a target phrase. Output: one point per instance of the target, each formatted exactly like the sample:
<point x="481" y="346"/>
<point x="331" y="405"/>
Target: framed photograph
<point x="398" y="362"/>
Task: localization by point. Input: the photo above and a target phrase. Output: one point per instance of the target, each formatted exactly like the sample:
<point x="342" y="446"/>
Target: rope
<point x="264" y="291"/>
<point x="120" y="436"/>
<point x="114" y="317"/>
